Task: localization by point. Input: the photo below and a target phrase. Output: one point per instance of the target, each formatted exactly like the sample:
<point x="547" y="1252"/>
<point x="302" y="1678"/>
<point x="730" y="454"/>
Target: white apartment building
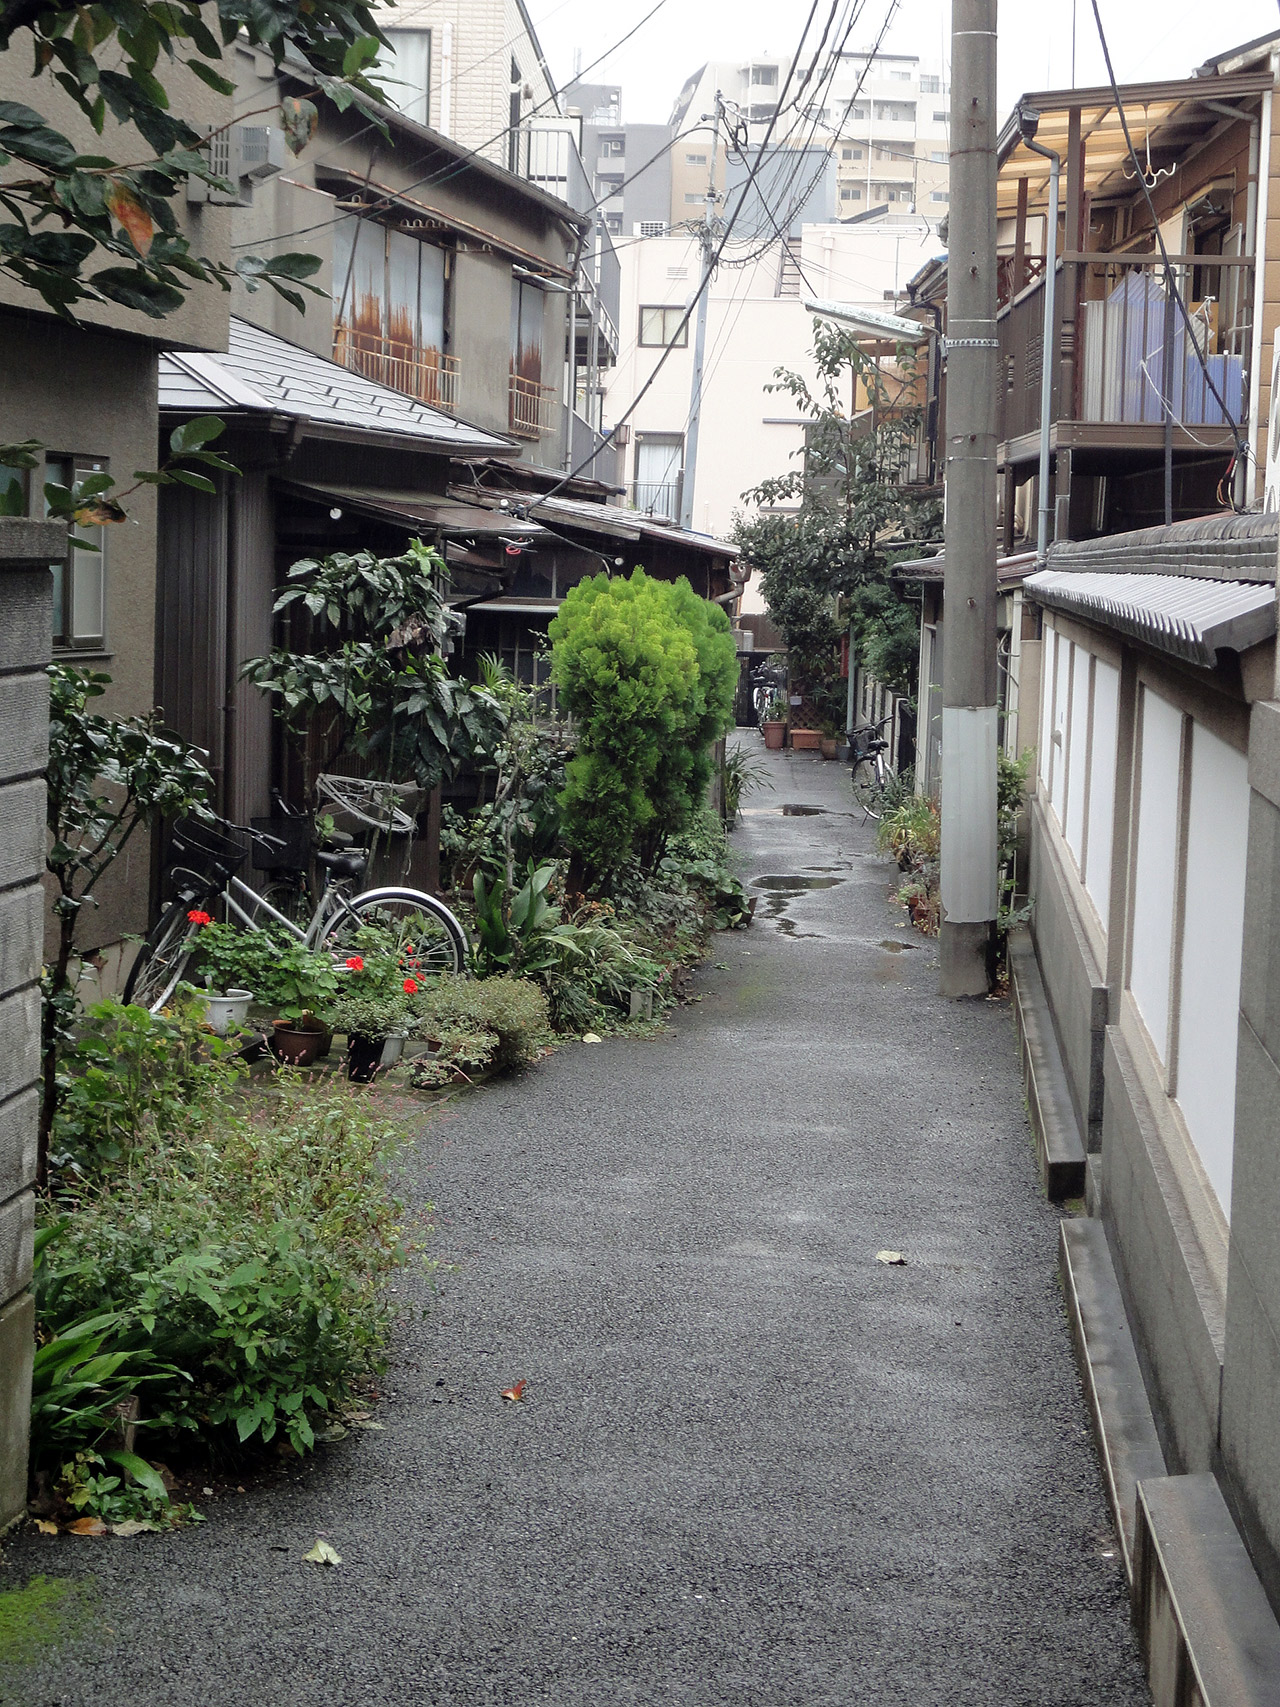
<point x="472" y="69"/>
<point x="756" y="323"/>
<point x="885" y="117"/>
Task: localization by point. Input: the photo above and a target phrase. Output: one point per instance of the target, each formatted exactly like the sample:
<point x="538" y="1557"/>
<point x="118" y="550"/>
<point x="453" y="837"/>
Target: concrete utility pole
<point x="969" y="723"/>
<point x="707" y="239"/>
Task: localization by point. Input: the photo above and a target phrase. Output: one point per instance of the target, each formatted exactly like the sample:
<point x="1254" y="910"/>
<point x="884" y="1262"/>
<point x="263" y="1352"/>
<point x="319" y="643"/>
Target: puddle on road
<point x="892" y="947"/>
<point x="779" y="890"/>
<point x="793" y="811"/>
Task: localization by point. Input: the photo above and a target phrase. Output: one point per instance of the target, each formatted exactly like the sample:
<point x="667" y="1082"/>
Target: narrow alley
<point x="753" y="1464"/>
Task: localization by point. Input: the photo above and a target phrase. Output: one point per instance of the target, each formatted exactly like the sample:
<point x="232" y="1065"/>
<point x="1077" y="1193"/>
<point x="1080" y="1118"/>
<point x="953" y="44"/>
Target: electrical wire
<point x="1171" y="283"/>
<point x="708" y="271"/>
<point x="471" y="155"/>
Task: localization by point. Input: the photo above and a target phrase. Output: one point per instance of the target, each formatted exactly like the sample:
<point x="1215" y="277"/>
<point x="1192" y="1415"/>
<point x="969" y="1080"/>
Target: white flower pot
<point x="225" y="1013"/>
<point x="392" y="1050"/>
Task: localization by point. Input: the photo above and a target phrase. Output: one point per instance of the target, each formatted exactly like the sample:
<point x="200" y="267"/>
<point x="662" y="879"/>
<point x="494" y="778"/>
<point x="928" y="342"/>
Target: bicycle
<point x="427" y="935"/>
<point x="870" y="772"/>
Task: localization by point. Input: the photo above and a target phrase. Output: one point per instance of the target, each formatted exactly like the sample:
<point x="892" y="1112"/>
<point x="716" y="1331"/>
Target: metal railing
<point x="656" y="497"/>
<point x="532" y="408"/>
<point x="425" y="374"/>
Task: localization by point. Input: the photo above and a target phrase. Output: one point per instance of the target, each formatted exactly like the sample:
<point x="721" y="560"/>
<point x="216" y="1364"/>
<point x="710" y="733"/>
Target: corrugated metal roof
<point x="1179" y="614"/>
<point x="425" y="509"/>
<point x="264" y="374"/>
<point x="609" y="519"/>
<point x="1008" y="569"/>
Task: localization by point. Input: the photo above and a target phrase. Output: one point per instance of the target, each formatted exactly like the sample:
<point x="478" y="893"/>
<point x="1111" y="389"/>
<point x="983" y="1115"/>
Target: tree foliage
<point x="68" y="212"/>
<point x="647" y="670"/>
<point x="107" y="777"/>
<point x="367" y="673"/>
<point x="853" y="509"/>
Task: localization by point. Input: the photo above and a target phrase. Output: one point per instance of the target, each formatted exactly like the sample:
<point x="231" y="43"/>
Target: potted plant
<point x="229" y="960"/>
<point x="369" y="1015"/>
<point x="774" y="723"/>
<point x="830" y="740"/>
<point x="300" y="984"/>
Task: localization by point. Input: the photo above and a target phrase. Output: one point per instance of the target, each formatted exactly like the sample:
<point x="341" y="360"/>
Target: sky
<point x="1149" y="39"/>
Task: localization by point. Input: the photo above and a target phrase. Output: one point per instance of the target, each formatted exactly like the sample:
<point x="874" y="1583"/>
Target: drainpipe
<point x="1028" y="122"/>
<point x="1255" y="220"/>
<point x="446" y="81"/>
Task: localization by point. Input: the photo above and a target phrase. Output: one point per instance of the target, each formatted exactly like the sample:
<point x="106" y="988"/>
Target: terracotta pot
<point x="806" y="740"/>
<point x="364" y="1057"/>
<point x="774" y="736"/>
<point x="828" y="746"/>
<point x="294" y="1045"/>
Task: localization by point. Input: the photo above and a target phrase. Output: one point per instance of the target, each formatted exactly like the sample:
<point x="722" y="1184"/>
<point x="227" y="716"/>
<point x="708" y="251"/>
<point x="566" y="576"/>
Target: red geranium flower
<point x="354" y="963"/>
<point x="411" y="986"/>
<point x="197" y="917"/>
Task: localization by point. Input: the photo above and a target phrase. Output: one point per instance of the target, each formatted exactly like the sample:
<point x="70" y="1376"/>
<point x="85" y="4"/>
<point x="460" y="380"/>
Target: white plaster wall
<point x="1077" y="752"/>
<point x="1049" y="656"/>
<point x="1155" y="873"/>
<point x="1061" y="727"/>
<point x="1212" y="945"/>
<point x="1102" y="785"/>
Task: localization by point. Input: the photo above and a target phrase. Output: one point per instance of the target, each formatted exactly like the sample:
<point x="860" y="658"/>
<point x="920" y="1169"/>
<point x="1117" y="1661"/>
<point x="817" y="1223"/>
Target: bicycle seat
<point x="349" y="863"/>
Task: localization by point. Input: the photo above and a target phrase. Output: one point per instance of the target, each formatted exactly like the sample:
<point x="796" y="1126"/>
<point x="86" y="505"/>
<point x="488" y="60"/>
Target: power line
<point x="706" y="277"/>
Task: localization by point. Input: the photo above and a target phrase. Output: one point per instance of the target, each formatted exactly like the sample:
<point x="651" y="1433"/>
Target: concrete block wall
<point x="26" y="550"/>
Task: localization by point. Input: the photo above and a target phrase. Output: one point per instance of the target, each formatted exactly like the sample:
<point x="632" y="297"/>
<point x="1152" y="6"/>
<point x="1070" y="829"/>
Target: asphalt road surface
<point x="754" y="1466"/>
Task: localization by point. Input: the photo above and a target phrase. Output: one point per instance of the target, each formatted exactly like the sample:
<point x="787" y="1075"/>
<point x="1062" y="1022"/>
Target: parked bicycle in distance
<point x="871" y="775"/>
<point x="206" y="856"/>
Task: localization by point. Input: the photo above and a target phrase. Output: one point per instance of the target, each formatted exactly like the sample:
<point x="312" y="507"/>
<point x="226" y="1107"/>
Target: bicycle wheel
<point x="868" y="785"/>
<point x="161" y="959"/>
<point x="429" y="939"/>
<point x="291" y="899"/>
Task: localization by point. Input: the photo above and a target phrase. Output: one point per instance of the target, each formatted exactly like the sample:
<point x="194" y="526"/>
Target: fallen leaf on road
<point x="322" y="1554"/>
<point x="45" y="1527"/>
<point x="335" y="1431"/>
<point x="357" y="1423"/>
<point x="516" y="1392"/>
<point x="590" y="1037"/>
<point x="87" y="1526"/>
<point x="134" y="1526"/>
<point x="895" y="1259"/>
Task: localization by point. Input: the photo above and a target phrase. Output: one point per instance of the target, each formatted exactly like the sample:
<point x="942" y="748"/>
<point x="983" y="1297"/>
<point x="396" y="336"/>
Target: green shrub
<point x="245" y="1252"/>
<point x="648" y="671"/>
<point x="513" y="1010"/>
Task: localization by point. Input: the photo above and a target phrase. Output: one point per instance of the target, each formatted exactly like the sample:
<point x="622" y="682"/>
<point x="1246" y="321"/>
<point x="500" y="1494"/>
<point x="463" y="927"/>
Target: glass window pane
<point x="409" y="64"/>
<point x="87" y="587"/>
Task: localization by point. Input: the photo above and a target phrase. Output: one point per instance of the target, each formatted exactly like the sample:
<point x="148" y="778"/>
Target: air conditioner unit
<point x="245" y="154"/>
<point x="621" y="435"/>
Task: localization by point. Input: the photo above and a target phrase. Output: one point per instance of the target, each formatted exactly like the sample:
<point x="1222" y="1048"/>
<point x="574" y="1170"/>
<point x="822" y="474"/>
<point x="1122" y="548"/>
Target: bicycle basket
<point x="200" y="848"/>
<point x="294" y="833"/>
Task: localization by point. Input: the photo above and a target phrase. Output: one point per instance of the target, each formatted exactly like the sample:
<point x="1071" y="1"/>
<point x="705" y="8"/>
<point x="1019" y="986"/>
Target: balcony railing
<point x="425" y="374"/>
<point x="1135" y="360"/>
<point x="532" y="408"/>
<point x="656" y="497"/>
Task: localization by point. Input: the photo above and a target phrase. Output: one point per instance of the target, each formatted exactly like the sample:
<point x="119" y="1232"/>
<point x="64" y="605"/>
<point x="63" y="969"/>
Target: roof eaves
<point x="1182" y="616"/>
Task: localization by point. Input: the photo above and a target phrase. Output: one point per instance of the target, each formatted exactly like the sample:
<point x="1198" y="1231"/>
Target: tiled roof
<point x="263" y="374"/>
<point x="1219" y="548"/>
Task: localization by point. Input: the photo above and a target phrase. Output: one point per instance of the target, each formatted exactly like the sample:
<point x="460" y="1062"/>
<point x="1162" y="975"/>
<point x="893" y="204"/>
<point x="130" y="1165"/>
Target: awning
<point x="441" y="515"/>
<point x="610" y="520"/>
<point x="513" y="604"/>
<point x="871" y="322"/>
<point x="1182" y="615"/>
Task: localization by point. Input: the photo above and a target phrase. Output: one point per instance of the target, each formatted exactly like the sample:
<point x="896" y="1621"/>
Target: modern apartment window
<point x="761" y="115"/>
<point x="695" y="159"/>
<point x="939" y="196"/>
<point x="930" y="85"/>
<point x="408" y="73"/>
<point x="79" y="580"/>
<point x="661" y="326"/>
<point x="851" y="154"/>
<point x="850" y="193"/>
<point x="694" y="198"/>
<point x="941" y="118"/>
<point x="608" y="184"/>
<point x="859" y="112"/>
<point x="900" y="76"/>
<point x="659" y="460"/>
<point x="764" y="76"/>
<point x="896" y="112"/>
<point x="613" y="224"/>
<point x="613" y="147"/>
<point x="939" y="156"/>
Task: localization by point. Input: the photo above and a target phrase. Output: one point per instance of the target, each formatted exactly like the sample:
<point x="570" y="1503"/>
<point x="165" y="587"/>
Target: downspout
<point x="1047" y="341"/>
<point x="445" y="126"/>
<point x="574" y="284"/>
<point x="1256" y="225"/>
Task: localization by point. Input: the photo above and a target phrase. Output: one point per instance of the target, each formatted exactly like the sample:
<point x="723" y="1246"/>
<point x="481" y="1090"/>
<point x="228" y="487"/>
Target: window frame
<point x="66" y="468"/>
<point x="677" y="311"/>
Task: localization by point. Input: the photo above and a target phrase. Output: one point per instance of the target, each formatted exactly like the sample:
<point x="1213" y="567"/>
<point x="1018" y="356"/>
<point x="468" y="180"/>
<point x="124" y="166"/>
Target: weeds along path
<point x="752" y="1466"/>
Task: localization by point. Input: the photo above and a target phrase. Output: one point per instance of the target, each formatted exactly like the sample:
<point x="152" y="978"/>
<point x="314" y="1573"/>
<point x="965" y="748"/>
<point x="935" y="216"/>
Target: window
<point x="939" y="156"/>
<point x="860" y="112"/>
<point x="941" y="118"/>
<point x="850" y="193"/>
<point x="939" y="196"/>
<point x="761" y="115"/>
<point x="695" y="159"/>
<point x="79" y="580"/>
<point x="694" y="198"/>
<point x="930" y="85"/>
<point x="652" y="228"/>
<point x="613" y="147"/>
<point x="896" y="112"/>
<point x="661" y="326"/>
<point x="901" y="76"/>
<point x="608" y="184"/>
<point x="851" y="154"/>
<point x="659" y="460"/>
<point x="408" y="72"/>
<point x="764" y="76"/>
<point x="613" y="224"/>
